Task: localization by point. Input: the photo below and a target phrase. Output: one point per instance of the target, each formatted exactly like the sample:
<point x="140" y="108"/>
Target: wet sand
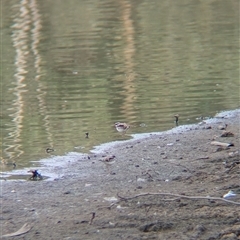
<point x="84" y="199"/>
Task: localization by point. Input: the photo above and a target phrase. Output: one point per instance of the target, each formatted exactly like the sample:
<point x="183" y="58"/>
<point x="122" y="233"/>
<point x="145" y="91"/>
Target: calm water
<point x="70" y="67"/>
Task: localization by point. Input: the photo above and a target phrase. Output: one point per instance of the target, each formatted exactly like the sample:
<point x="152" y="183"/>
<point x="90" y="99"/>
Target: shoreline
<point x="46" y="166"/>
<point x="177" y="129"/>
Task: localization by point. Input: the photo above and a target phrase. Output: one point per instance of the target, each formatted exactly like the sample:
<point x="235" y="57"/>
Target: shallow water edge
<point x="56" y="167"/>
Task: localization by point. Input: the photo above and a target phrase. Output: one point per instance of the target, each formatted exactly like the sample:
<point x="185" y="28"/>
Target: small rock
<point x="88" y="184"/>
<point x="108" y="159"/>
<point x="200" y="228"/>
<point x="222" y="127"/>
<point x="230" y="236"/>
<point x="156" y="226"/>
<point x="67" y="192"/>
<point x="233" y="154"/>
<point x="227" y="134"/>
<point x="219" y="149"/>
<point x="141" y="180"/>
<point x="110" y="199"/>
<point x="112" y="224"/>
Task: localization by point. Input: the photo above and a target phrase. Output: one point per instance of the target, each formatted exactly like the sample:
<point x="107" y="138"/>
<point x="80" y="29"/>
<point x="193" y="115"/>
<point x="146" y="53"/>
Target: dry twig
<point x="24" y="229"/>
<point x="178" y="196"/>
<point x="93" y="216"/>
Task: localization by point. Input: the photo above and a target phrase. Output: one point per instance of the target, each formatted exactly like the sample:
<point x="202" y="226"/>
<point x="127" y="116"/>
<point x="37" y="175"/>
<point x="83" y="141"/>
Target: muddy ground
<point x="86" y="203"/>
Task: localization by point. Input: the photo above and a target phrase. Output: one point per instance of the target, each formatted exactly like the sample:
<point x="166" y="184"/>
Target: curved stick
<point x="177" y="195"/>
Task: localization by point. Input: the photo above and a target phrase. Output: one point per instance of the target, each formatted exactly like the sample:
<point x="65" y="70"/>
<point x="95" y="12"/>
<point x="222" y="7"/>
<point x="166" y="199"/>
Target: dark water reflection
<point x="72" y="67"/>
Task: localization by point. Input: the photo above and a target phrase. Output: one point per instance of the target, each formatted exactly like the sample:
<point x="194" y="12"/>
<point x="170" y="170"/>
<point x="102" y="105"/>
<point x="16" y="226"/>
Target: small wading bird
<point x="109" y="161"/>
<point x="49" y="150"/>
<point x="176" y="119"/>
<point x="121" y="127"/>
<point x="35" y="175"/>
